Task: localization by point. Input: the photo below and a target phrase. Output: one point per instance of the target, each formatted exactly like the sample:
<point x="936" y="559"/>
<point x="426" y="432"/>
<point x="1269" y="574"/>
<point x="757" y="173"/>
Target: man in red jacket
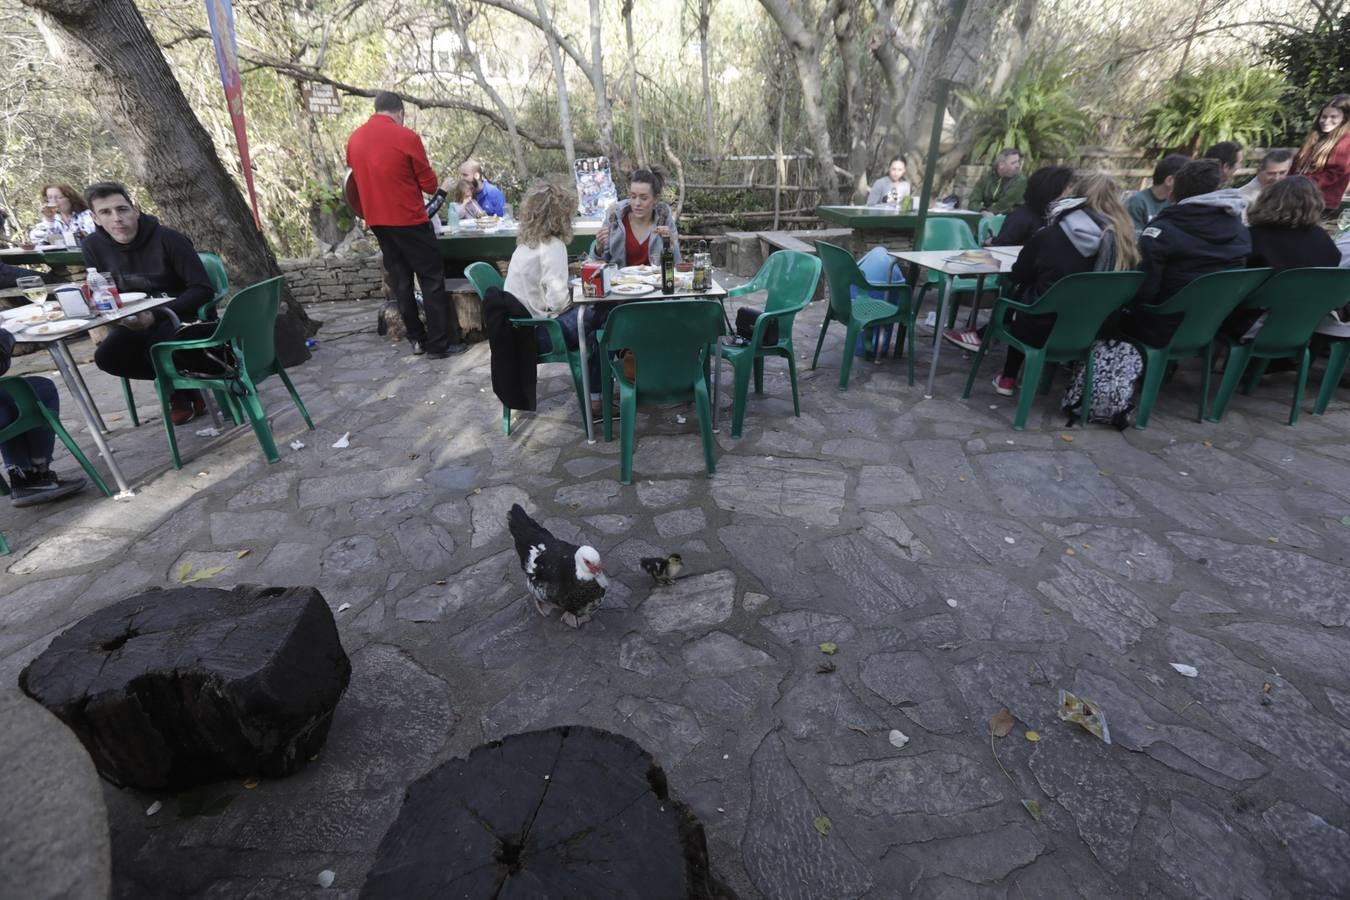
<point x="391" y="170"/>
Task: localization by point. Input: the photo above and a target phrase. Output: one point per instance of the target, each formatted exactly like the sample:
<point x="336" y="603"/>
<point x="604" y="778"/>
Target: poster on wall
<point x="595" y="187"/>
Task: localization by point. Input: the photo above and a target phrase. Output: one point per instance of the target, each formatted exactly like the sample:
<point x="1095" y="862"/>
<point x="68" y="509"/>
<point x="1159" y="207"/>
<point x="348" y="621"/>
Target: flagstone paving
<point x="958" y="566"/>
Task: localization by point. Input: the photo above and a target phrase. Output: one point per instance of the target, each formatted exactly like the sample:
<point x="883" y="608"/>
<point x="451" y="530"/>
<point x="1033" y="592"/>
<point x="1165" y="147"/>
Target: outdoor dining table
<point x="950" y="264"/>
<point x="56" y="345"/>
<point x="885" y="218"/>
<point x="56" y="256"/>
<point x="470" y="244"/>
<point x="580" y="302"/>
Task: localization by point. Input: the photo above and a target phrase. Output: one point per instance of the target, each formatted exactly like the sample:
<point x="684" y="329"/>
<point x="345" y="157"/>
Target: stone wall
<point x="357" y="276"/>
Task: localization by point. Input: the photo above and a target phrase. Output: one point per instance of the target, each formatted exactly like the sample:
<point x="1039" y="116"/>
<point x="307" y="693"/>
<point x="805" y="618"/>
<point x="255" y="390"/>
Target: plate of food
<point x="488" y="221"/>
<point x="132" y="297"/>
<point x="652" y="280"/>
<point x="29" y="317"/>
<point x="641" y="270"/>
<point x="60" y="326"/>
<point x="631" y="290"/>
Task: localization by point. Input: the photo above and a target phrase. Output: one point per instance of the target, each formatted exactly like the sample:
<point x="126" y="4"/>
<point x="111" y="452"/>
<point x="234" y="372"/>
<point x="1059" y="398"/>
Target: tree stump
<point x="566" y="812"/>
<point x="178" y="687"/>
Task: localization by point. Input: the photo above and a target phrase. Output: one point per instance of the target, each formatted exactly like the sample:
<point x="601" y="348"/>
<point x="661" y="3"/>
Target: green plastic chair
<point x="1203" y="305"/>
<point x="220" y="280"/>
<point x="1295" y="300"/>
<point x="247" y="325"/>
<point x="33" y="413"/>
<point x="1080" y="304"/>
<point x="484" y="275"/>
<point x="670" y="339"/>
<point x="947" y="233"/>
<point x="1340" y="349"/>
<point x="990" y="227"/>
<point x="789" y="277"/>
<point x="863" y="311"/>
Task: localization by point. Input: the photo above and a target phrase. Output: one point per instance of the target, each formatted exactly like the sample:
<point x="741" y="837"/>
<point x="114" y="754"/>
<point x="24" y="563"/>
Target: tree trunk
<point x="507" y="113"/>
<point x="559" y="75"/>
<point x="604" y="114"/>
<point x="704" y="21"/>
<point x="634" y="97"/>
<point x="846" y="37"/>
<point x="805" y="46"/>
<point x="143" y="107"/>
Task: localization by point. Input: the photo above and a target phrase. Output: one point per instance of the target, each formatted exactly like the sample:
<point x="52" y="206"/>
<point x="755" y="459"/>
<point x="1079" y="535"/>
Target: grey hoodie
<point x="1089" y="235"/>
<point x="1231" y="200"/>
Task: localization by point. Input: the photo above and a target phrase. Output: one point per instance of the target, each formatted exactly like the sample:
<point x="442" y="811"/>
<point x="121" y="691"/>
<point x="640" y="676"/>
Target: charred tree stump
<point x="565" y="812"/>
<point x="178" y="687"/>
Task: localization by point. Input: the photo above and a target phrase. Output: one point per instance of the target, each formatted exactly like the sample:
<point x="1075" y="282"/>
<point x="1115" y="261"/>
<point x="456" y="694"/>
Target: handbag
<point x="747" y="316"/>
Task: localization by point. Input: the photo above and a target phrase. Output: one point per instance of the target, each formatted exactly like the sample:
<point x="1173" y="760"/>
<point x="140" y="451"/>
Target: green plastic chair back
<point x="670" y="340"/>
<point x="990" y="227"/>
<point x="33" y="414"/>
<point x="863" y="311"/>
<point x="249" y="321"/>
<point x="783" y="275"/>
<point x="482" y="276"/>
<point x="946" y="233"/>
<point x="1205" y="303"/>
<point x="215" y="271"/>
<point x="841" y="274"/>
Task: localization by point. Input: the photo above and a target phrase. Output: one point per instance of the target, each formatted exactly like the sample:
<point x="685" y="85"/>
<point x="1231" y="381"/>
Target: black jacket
<point x="514" y="350"/>
<point x="1292" y="248"/>
<point x="157" y="259"/>
<point x="1046" y="257"/>
<point x="1198" y="236"/>
<point x="9" y="275"/>
<point x="1018" y="227"/>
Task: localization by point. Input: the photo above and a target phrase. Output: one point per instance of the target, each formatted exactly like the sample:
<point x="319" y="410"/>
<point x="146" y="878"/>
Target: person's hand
<point x="663" y="230"/>
<point x="601" y="236"/>
<point x="48" y="213"/>
<point x="448" y="183"/>
<point x="138" y="322"/>
<point x="985" y="212"/>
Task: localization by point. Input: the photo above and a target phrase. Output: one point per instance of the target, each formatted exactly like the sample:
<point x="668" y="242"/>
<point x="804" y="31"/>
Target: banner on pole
<point x="220" y="14"/>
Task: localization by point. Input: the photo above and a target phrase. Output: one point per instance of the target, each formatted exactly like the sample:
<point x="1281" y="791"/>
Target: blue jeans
<point x="595" y="319"/>
<point x="32" y="449"/>
<point x="877" y="265"/>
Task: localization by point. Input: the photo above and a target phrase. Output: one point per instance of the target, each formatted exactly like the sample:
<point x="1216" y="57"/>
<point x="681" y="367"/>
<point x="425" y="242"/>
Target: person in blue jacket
<point x="486" y="194"/>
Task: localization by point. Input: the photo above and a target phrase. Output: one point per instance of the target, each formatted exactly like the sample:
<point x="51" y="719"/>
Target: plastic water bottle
<point x="452" y="217"/>
<point x="100" y="295"/>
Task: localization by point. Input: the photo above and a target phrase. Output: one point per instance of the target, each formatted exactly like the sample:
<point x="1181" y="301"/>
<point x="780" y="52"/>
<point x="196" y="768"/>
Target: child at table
<point x="28" y="457"/>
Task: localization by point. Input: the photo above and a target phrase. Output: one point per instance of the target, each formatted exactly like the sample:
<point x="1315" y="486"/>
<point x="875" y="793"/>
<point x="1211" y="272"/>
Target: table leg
<point x="585" y="375"/>
<point x="65" y="364"/>
<point x="937" y="344"/>
<point x="83" y="388"/>
<point x="974" y="316"/>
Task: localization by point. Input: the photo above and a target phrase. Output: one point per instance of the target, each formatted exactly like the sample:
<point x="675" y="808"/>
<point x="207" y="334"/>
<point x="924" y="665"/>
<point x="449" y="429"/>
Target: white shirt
<point x="537" y="277"/>
<point x="54" y="229"/>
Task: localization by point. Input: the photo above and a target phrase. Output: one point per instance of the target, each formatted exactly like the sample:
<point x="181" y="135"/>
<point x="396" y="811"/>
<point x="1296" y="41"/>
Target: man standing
<point x="1275" y="166"/>
<point x="486" y="194"/>
<point x="1002" y="187"/>
<point x="1144" y="205"/>
<point x="391" y="170"/>
<point x="143" y="255"/>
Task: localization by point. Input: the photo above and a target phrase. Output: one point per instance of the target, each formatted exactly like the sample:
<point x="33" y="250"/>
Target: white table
<point x="70" y="374"/>
<point x="715" y="292"/>
<point x="947" y="263"/>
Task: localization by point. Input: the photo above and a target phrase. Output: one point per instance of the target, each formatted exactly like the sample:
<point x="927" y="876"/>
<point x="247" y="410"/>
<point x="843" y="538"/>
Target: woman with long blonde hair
<point x="1325" y="154"/>
<point x="1088" y="231"/>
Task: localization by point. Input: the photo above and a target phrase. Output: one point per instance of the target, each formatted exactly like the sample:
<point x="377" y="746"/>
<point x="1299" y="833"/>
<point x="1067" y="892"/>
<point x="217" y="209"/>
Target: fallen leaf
<point x="829" y="648"/>
<point x="1273" y="540"/>
<point x="442" y="581"/>
<point x="1066" y="438"/>
<point x="250" y="784"/>
<point x="242" y="553"/>
<point x="183" y="572"/>
<point x="1207" y="443"/>
<point x="1001" y="722"/>
<point x="325" y="879"/>
<point x="478" y="490"/>
<point x="862" y="731"/>
<point x="825" y="668"/>
<point x="1188" y="671"/>
<point x="823" y="824"/>
<point x="898" y="739"/>
<point x="187" y="576"/>
<point x="1345" y="520"/>
<point x="1033" y="736"/>
<point x="153" y="808"/>
<point x="1069" y="551"/>
<point x="1033" y="809"/>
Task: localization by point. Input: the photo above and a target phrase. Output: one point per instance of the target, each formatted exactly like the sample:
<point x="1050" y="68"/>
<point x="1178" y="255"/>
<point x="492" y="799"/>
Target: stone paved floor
<point x="960" y="567"/>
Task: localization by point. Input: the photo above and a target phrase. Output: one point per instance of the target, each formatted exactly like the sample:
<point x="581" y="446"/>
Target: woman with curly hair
<point x="1325" y="154"/>
<point x="63" y="211"/>
<point x="538" y="277"/>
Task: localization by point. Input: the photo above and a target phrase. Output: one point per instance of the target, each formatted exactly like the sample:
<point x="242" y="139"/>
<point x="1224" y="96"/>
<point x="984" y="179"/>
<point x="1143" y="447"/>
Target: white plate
<point x="18" y="312"/>
<point x="132" y="297"/>
<point x="60" y="326"/>
<point x="640" y="270"/>
<point x="632" y="290"/>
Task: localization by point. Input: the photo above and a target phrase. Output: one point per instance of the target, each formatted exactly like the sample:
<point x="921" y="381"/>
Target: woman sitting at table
<point x="63" y="212"/>
<point x="1091" y="232"/>
<point x="538" y="277"/>
<point x="28" y="457"/>
<point x="636" y="230"/>
<point x="467" y="206"/>
<point x="891" y="188"/>
<point x="1046" y="185"/>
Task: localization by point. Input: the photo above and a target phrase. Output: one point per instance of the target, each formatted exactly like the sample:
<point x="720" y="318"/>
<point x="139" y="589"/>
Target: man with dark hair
<point x="1200" y="232"/>
<point x="144" y="255"/>
<point x="1274" y="167"/>
<point x="1229" y="155"/>
<point x="1144" y="205"/>
<point x="1002" y="187"/>
<point x="391" y="170"/>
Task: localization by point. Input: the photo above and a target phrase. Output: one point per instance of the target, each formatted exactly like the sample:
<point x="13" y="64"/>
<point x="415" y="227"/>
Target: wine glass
<point x="33" y="287"/>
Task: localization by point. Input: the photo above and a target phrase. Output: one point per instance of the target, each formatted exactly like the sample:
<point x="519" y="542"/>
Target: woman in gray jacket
<point x="637" y="230"/>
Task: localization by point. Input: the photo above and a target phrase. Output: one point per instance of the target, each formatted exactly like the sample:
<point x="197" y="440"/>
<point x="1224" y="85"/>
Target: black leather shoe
<point x="418" y="349"/>
<point x="452" y="350"/>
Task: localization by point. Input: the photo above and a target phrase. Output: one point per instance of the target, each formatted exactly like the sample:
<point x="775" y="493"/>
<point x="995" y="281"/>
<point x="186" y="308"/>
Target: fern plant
<point x="1037" y="113"/>
<point x="1219" y="103"/>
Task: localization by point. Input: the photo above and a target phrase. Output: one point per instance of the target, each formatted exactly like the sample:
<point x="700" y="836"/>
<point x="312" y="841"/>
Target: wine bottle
<point x="667" y="269"/>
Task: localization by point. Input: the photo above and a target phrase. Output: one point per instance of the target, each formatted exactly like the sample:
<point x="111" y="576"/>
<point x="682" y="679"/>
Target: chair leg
<point x="258" y="419"/>
<point x="295" y="396"/>
<point x="846" y="363"/>
<point x="1204" y="380"/>
<point x="75" y="451"/>
<point x="1304" y="363"/>
<point x="975" y="363"/>
<point x="704" y="406"/>
<point x="506" y="420"/>
<point x="740" y="371"/>
<point x="131" y="402"/>
<point x="1085" y="408"/>
<point x="1026" y="392"/>
<point x="166" y="414"/>
<point x="820" y="341"/>
<point x="627" y="430"/>
<point x="910" y="328"/>
<point x="1155" y="366"/>
<point x="1331" y="377"/>
<point x="1238" y="357"/>
<point x="792" y="377"/>
<point x="759" y="375"/>
<point x="1258" y="372"/>
<point x="4" y="547"/>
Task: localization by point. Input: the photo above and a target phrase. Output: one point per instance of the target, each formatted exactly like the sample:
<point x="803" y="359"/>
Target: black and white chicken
<point x="663" y="569"/>
<point x="560" y="575"/>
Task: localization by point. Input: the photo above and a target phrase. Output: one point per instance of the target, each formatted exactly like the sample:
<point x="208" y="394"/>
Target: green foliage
<point x="1037" y="113"/>
<point x="1316" y="65"/>
<point x="1220" y="103"/>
